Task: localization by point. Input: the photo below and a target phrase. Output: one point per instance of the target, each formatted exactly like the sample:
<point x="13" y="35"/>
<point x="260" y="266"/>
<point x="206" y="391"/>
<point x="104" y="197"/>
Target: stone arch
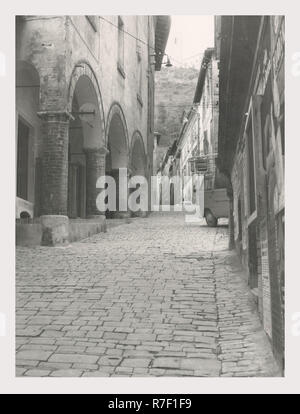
<point x="138" y="167"/>
<point x="84" y="69"/>
<point x="117" y="158"/>
<point x="86" y="153"/>
<point x="138" y="159"/>
<point x="28" y="86"/>
<point x="31" y="72"/>
<point x="117" y="136"/>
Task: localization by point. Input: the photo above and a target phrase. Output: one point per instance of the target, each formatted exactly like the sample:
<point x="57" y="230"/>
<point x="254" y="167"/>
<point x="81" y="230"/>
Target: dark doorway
<point x="22" y="160"/>
<point x="76" y="191"/>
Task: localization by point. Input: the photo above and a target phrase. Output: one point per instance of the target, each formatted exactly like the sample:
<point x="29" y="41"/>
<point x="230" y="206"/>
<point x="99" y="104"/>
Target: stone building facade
<point x="198" y="137"/>
<point x="84" y="108"/>
<point x="251" y="154"/>
<point x="199" y="134"/>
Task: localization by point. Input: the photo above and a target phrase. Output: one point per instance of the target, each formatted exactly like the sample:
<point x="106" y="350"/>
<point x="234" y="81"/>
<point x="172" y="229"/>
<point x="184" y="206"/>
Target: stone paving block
<point x="37" y="373"/>
<point x="178" y="373"/>
<point x="167" y="362"/>
<point x="96" y="350"/>
<point x="85" y="366"/>
<point x="36" y="347"/>
<point x="74" y="358"/>
<point x="30" y="331"/>
<point x="26" y="363"/>
<point x="109" y="361"/>
<point x="157" y="372"/>
<point x="136" y="362"/>
<point x="63" y="349"/>
<point x="20" y="372"/>
<point x="141" y="337"/>
<point x="52" y="334"/>
<point x="124" y="370"/>
<point x="203" y="367"/>
<point x="114" y="335"/>
<point x="34" y="355"/>
<point x="96" y="374"/>
<point x="63" y="373"/>
<point x="150" y="348"/>
<point x="114" y="352"/>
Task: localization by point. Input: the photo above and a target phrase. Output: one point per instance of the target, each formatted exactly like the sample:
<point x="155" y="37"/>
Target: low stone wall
<point x="28" y="234"/>
<point x="81" y="229"/>
<point x="33" y="233"/>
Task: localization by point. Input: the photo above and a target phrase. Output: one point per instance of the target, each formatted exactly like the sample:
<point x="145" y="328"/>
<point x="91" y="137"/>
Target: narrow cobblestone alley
<point x="155" y="297"/>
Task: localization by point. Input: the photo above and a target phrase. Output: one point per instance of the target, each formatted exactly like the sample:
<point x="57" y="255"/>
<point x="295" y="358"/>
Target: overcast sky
<point x="189" y="36"/>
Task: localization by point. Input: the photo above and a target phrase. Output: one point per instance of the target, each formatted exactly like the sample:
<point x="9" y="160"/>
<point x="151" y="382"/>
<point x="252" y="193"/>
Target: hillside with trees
<point x="174" y="93"/>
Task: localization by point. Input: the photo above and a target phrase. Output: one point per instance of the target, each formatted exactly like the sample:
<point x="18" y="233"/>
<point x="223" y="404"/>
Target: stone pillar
<point x="138" y="213"/>
<point x="55" y="130"/>
<point x="95" y="168"/>
<point x="54" y="180"/>
<point x="121" y="198"/>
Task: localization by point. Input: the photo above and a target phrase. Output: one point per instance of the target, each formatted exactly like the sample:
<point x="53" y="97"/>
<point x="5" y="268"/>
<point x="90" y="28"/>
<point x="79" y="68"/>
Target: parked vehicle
<point x="216" y="205"/>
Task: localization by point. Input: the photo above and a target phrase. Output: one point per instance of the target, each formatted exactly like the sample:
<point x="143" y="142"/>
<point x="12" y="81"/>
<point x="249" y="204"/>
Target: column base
<point x="55" y="230"/>
<point x="100" y="218"/>
<point x="121" y="214"/>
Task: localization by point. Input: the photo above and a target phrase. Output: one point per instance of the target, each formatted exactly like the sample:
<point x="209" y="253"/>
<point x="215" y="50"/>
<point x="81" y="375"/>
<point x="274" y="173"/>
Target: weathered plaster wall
<point x="55" y="44"/>
<point x="41" y="42"/>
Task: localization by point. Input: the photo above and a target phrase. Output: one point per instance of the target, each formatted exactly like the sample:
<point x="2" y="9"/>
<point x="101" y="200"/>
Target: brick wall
<point x="55" y="131"/>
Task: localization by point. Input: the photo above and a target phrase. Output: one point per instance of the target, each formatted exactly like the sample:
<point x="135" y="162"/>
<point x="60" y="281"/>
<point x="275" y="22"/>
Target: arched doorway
<point x="138" y="163"/>
<point x="117" y="157"/>
<point x="27" y="139"/>
<point x="137" y="155"/>
<point x="86" y="154"/>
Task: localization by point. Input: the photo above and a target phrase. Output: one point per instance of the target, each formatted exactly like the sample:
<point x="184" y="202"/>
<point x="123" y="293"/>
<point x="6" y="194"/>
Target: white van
<point x="216" y="205"/>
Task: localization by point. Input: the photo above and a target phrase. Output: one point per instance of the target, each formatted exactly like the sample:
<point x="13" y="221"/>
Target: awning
<point x="162" y="29"/>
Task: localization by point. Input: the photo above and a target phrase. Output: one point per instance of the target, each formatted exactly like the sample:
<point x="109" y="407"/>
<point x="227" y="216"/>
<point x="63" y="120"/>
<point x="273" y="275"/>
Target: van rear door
<point x="217" y="202"/>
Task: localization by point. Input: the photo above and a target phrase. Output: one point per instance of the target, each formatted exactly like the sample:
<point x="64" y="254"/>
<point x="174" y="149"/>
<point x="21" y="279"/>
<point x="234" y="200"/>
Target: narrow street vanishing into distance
<point x="150" y="195"/>
<point x="152" y="297"/>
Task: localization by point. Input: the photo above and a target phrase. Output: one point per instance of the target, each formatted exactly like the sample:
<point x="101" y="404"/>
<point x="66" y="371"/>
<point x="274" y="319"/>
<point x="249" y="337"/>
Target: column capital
<point x="55" y="116"/>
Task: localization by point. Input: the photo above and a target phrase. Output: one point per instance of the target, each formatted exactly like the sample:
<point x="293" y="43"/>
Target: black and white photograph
<point x="149" y="203"/>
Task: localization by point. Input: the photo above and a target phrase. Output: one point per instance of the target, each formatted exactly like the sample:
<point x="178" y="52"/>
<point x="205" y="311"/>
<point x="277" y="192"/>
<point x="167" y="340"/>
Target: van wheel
<point x="211" y="220"/>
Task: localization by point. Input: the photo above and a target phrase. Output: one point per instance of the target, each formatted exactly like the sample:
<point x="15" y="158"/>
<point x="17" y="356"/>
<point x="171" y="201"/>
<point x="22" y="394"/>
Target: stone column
<point x="95" y="168"/>
<point x="138" y="213"/>
<point x="54" y="180"/>
<point x="121" y="197"/>
<point x="55" y="130"/>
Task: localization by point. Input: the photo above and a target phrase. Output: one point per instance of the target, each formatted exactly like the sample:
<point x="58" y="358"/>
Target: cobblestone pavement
<point x="156" y="297"/>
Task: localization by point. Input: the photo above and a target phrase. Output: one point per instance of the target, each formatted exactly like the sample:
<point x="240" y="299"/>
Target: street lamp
<point x="168" y="63"/>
